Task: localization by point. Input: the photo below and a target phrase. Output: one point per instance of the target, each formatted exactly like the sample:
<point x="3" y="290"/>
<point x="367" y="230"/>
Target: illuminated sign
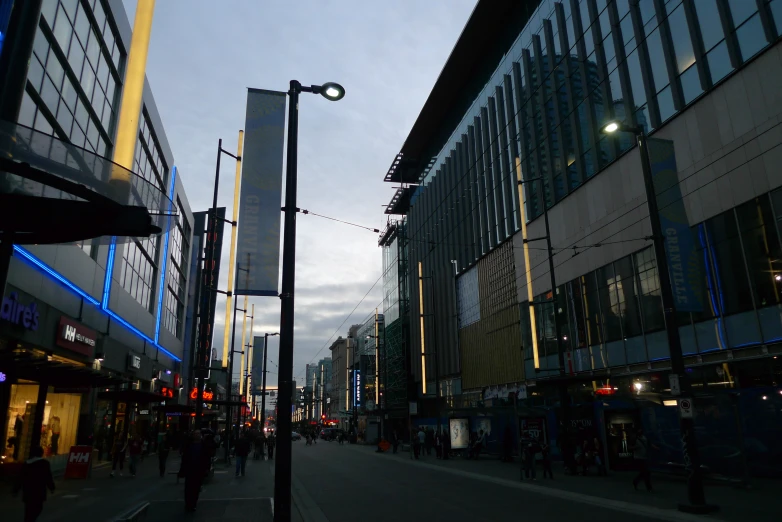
<point x="16" y="313"/>
<point x="206" y="394"/>
<point x="357" y="385"/>
<point x="3" y="377"/>
<point x="167" y="392"/>
<point x="76" y="337"/>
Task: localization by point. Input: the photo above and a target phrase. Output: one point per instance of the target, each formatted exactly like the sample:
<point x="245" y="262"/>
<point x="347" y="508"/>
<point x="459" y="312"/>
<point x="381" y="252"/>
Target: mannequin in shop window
<point x="55" y="438"/>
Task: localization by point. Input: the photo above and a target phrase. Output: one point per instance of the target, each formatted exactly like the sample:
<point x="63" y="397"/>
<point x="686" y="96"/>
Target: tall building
<point x="701" y="78"/>
<point x="107" y="317"/>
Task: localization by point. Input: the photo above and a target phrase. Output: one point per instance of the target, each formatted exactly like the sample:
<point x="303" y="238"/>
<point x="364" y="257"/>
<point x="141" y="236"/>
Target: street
<point x="352" y="483"/>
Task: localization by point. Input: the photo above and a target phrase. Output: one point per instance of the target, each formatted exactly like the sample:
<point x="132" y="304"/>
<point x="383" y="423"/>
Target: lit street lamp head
<point x="610" y="127"/>
<point x="332" y="91"/>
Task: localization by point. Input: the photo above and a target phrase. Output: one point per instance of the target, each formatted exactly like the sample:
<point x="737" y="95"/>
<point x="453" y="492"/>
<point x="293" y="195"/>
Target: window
<point x="709" y="22"/>
<point x="593" y="318"/>
<point x="761" y="249"/>
<point x="751" y="37"/>
<point x="609" y="302"/>
<point x="628" y="302"/>
<point x="177" y="274"/>
<point x="682" y="44"/>
<point x="649" y="285"/>
<point x="728" y="263"/>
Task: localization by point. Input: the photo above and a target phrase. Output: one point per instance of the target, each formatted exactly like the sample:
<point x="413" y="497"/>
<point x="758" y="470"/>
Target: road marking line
<point x="215" y="499"/>
<point x="69" y="496"/>
<point x="616" y="505"/>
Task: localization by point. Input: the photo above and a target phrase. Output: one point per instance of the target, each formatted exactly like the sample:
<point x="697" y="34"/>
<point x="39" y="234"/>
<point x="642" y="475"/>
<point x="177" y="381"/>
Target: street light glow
<point x="332" y="91"/>
<point x="611" y="127"/>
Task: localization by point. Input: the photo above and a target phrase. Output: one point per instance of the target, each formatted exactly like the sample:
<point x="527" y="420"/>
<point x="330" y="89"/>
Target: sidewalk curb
<point x="655" y="513"/>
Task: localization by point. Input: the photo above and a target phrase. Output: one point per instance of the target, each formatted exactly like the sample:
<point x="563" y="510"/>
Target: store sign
<point x="167" y="392"/>
<point x="78" y="465"/>
<point x="134" y="362"/>
<point x="3" y="377"/>
<point x="357" y="384"/>
<point x="75" y="337"/>
<point x="206" y="394"/>
<point x="16" y="313"/>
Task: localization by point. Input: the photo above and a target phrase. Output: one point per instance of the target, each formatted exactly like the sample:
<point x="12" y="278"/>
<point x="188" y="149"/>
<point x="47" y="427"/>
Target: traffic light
<point x="323" y="416"/>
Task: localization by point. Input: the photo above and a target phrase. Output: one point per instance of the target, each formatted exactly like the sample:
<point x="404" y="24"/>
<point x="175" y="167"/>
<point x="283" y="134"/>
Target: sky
<point x="202" y="57"/>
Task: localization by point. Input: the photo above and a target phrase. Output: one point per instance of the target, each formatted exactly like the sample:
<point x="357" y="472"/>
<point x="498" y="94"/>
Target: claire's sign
<point x="19" y="314"/>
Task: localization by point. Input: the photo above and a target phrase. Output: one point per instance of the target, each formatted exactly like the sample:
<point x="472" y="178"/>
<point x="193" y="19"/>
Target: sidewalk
<point x="761" y="503"/>
<point x="224" y="497"/>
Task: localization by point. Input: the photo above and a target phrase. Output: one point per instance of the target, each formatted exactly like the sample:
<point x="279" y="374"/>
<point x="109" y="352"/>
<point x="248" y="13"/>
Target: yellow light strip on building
<point x="232" y="253"/>
<point x="527" y="267"/>
<point x="250" y="353"/>
<point x="421" y="313"/>
<point x="377" y="365"/>
<point x="132" y="94"/>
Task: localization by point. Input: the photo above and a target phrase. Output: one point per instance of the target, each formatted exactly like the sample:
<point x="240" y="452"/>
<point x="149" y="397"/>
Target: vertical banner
<point x="257" y="366"/>
<point x="260" y="198"/>
<point x="206" y="311"/>
<point x="683" y="262"/>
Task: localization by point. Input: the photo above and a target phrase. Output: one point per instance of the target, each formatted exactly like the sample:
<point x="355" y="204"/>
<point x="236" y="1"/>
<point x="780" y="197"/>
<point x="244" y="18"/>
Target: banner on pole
<point x="683" y="263"/>
<point x="260" y="198"/>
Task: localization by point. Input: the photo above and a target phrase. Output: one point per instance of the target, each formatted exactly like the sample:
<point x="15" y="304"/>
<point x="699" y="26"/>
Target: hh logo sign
<point x="70" y="333"/>
<point x="78" y="465"/>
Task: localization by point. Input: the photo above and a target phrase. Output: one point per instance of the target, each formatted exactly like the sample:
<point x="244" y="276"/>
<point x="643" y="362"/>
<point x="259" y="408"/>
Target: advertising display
<point x="258" y="235"/>
<point x="78" y="466"/>
<point x="460" y="433"/>
<point x="534" y="428"/>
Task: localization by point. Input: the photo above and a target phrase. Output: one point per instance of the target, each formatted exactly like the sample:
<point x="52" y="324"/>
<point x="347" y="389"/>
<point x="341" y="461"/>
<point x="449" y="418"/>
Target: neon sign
<point x="167" y="392"/>
<point x="3" y="377"/>
<point x="206" y="395"/>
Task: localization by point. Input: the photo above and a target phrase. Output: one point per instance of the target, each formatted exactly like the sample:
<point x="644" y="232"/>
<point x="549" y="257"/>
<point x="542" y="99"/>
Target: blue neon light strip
<point x="109" y="270"/>
<point x="164" y="263"/>
<point x="46" y="269"/>
<point x="31" y="259"/>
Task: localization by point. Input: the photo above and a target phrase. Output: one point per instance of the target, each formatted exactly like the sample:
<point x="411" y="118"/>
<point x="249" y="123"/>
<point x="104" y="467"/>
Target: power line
<point x="303" y="211"/>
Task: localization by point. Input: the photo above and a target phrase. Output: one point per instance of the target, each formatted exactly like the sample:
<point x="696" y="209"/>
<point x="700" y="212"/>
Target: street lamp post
<point x="695" y="493"/>
<point x="265" y="371"/>
<point x="282" y="476"/>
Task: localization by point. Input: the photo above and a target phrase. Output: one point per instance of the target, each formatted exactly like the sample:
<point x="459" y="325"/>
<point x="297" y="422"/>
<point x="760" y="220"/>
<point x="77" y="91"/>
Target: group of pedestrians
<point x="249" y="440"/>
<point x="426" y="439"/>
<point x="133" y="447"/>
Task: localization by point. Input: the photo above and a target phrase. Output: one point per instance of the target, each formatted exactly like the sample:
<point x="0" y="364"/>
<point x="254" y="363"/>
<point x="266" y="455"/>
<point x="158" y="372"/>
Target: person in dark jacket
<point x="34" y="479"/>
<point x="242" y="450"/>
<point x="271" y="441"/>
<point x="162" y="453"/>
<point x="195" y="466"/>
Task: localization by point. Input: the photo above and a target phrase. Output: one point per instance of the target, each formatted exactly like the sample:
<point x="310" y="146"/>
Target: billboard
<point x="260" y="198"/>
<point x="209" y="275"/>
<point x="460" y="433"/>
<point x="683" y="263"/>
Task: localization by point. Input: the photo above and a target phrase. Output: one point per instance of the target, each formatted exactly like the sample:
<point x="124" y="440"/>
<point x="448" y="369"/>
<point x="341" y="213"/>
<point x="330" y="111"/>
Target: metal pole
<point x="265" y="371"/>
<point x="229" y="379"/>
<point x="211" y="231"/>
<point x="695" y="493"/>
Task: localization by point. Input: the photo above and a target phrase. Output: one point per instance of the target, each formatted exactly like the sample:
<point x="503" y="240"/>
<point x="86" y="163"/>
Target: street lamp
<point x="282" y="476"/>
<point x="695" y="494"/>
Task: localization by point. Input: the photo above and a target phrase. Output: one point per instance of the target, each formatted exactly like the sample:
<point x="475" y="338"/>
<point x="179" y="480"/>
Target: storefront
<point x="48" y="371"/>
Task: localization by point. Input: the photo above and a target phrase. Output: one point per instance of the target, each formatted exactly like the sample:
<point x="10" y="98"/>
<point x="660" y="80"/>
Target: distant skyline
<point x="387" y="55"/>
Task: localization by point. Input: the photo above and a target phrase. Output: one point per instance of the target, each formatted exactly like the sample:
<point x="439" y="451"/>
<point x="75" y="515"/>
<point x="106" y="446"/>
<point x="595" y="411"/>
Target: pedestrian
<point x="446" y="444"/>
<point x="194" y="468"/>
<point x="34" y="479"/>
<point x="545" y="457"/>
<point x="530" y="449"/>
<point x="429" y="441"/>
<point x="641" y="457"/>
<point x="242" y="450"/>
<point x="479" y="444"/>
<point x="438" y="445"/>
<point x="270" y="442"/>
<point x="163" y="448"/>
<point x="507" y="445"/>
<point x="421" y="441"/>
<point x="395" y="440"/>
<point x="598" y="457"/>
<point x="135" y="448"/>
<point x="259" y="443"/>
<point x="118" y="457"/>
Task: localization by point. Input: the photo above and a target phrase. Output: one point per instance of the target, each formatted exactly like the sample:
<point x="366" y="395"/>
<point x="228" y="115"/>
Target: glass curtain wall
<point x="613" y="316"/>
<point x="577" y="64"/>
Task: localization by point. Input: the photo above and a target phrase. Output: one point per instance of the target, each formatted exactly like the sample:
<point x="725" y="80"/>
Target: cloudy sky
<point x="387" y="55"/>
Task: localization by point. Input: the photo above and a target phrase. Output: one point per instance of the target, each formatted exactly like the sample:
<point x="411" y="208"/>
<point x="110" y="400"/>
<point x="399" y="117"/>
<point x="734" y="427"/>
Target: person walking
<point x="395" y="440"/>
<point x="597" y="449"/>
<point x="530" y="449"/>
<point x="194" y="468"/>
<point x="118" y="457"/>
<point x="429" y="441"/>
<point x="135" y="447"/>
<point x="34" y="479"/>
<point x="421" y="441"/>
<point x="270" y="442"/>
<point x="242" y="450"/>
<point x="479" y="444"/>
<point x="163" y="449"/>
<point x="545" y="457"/>
<point x="446" y="444"/>
<point x="641" y="457"/>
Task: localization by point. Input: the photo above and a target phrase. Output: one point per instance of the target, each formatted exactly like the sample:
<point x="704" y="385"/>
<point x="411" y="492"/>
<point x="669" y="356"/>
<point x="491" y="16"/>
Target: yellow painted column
<point x="527" y="268"/>
<point x="423" y="336"/>
<point x="232" y="253"/>
<point x="132" y="94"/>
<point x="250" y="352"/>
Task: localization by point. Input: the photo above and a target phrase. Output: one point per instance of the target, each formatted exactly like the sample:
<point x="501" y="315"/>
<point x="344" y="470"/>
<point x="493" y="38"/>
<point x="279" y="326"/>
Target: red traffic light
<point x="323" y="416"/>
